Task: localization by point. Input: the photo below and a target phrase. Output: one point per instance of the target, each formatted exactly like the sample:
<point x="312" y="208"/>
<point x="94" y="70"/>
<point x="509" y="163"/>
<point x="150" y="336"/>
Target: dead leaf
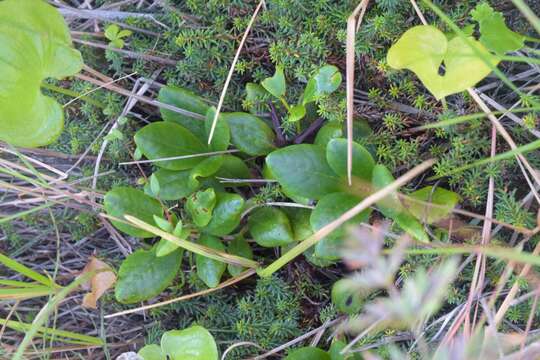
<point x="103" y="279"/>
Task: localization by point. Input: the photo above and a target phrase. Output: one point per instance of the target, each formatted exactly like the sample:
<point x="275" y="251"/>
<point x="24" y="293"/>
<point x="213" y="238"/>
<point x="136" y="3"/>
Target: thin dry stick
<point x="97" y="88"/>
<point x="231" y="71"/>
<point x="231" y="281"/>
<point x="351" y="34"/>
<point x="213" y="153"/>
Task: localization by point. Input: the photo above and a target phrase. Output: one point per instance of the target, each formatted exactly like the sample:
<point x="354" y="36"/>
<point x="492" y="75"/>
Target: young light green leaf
<point x="226" y="215"/>
<point x="328" y="209"/>
<point x="152" y="352"/>
<point x="423" y="49"/>
<point x="346" y="297"/>
<point x="200" y="206"/>
<point x="336" y="155"/>
<point x="144" y="275"/>
<point x="111" y="31"/>
<point x="186" y="100"/>
<point x="165" y="247"/>
<point x="154" y="186"/>
<point x="173" y="185"/>
<point x="391" y="206"/>
<point x="249" y="133"/>
<point x="308" y="352"/>
<point x="297" y="113"/>
<point x="210" y="270"/>
<point x="495" y="35"/>
<point x="254" y="94"/>
<point x="324" y="82"/>
<point x="194" y="343"/>
<point x="270" y="227"/>
<point x="35" y="44"/>
<point x="302" y="170"/>
<point x="166" y="139"/>
<point x="445" y="200"/>
<point x="238" y="246"/>
<point x="163" y="224"/>
<point x="276" y="84"/>
<point x="126" y="200"/>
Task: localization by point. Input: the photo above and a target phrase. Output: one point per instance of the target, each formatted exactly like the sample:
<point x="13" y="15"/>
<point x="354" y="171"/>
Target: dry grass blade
<point x="231" y="281"/>
<point x="351" y="34"/>
<point x="231" y="70"/>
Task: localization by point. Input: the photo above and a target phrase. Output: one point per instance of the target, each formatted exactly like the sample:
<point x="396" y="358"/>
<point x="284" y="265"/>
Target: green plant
<point x="193" y="343"/>
<point x="116" y="36"/>
<point x="38" y="41"/>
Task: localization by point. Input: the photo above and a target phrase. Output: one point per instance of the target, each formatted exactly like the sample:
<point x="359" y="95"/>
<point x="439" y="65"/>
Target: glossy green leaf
<point x="362" y="161"/>
<point x="174" y="185"/>
<point x="144" y="275"/>
<point x="329" y="208"/>
<point x="165" y="247"/>
<point x="152" y="352"/>
<point x="423" y="49"/>
<point x="300" y="224"/>
<point x="167" y="139"/>
<point x="200" y="206"/>
<point x="445" y="199"/>
<point x="302" y="171"/>
<point x="233" y="168"/>
<point x="335" y="352"/>
<point x="207" y="167"/>
<point x="328" y="132"/>
<point x="194" y="343"/>
<point x="222" y="134"/>
<point x="186" y="100"/>
<point x="35" y="44"/>
<point x="495" y="35"/>
<point x="154" y="186"/>
<point x="249" y="133"/>
<point x="112" y="31"/>
<point x="391" y="206"/>
<point x="276" y="84"/>
<point x="297" y="113"/>
<point x="254" y="94"/>
<point x="210" y="270"/>
<point x="324" y="82"/>
<point x="308" y="352"/>
<point x="123" y="200"/>
<point x="226" y="215"/>
<point x="163" y="224"/>
<point x="270" y="227"/>
<point x="238" y="246"/>
<point x="346" y="297"/>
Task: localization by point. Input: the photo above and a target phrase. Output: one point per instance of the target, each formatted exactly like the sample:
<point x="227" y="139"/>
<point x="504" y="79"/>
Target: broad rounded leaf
<point x="209" y="166"/>
<point x="270" y="227"/>
<point x="308" y="352"/>
<point x="391" y="206"/>
<point x="226" y="215"/>
<point x="495" y="35"/>
<point x="200" y="206"/>
<point x="328" y="209"/>
<point x="423" y="49"/>
<point x="302" y="171"/>
<point x="335" y="352"/>
<point x="444" y="201"/>
<point x="297" y="113"/>
<point x="362" y="161"/>
<point x="174" y="185"/>
<point x="300" y="224"/>
<point x="210" y="270"/>
<point x="124" y="200"/>
<point x="35" y="44"/>
<point x="144" y="275"/>
<point x="186" y="100"/>
<point x="324" y="82"/>
<point x="240" y="247"/>
<point x="249" y="133"/>
<point x="194" y="343"/>
<point x="222" y="133"/>
<point x="346" y="297"/>
<point x="328" y="132"/>
<point x="233" y="168"/>
<point x="166" y="139"/>
<point x="276" y="84"/>
<point x="152" y="352"/>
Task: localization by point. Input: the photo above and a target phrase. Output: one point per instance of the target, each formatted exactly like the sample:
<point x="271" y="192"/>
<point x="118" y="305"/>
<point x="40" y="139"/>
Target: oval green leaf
<point x="152" y="352"/>
<point x="226" y="215"/>
<point x="444" y="201"/>
<point x="144" y="275"/>
<point x="173" y="185"/>
<point x="124" y="200"/>
<point x="240" y="247"/>
<point x="308" y="352"/>
<point x="362" y="161"/>
<point x="276" y="84"/>
<point x="346" y="298"/>
<point x="166" y="139"/>
<point x="210" y="270"/>
<point x="249" y="133"/>
<point x="270" y="227"/>
<point x="200" y="206"/>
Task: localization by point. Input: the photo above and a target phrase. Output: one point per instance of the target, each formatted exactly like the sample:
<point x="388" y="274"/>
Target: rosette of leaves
<point x="35" y="44"/>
